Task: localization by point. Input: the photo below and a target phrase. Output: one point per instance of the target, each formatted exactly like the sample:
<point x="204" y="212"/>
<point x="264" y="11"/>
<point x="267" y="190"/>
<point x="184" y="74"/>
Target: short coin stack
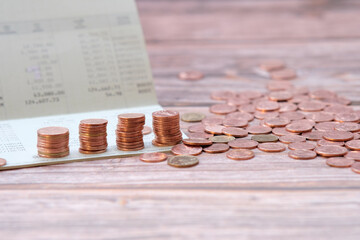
<point x="166" y="128"/>
<point x="129" y="135"/>
<point x="53" y="142"/>
<point x="92" y="136"/>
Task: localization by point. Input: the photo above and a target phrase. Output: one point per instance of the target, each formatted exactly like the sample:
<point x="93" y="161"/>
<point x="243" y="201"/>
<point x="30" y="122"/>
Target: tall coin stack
<point x="129" y="135"/>
<point x="92" y="136"/>
<point x="53" y="142"/>
<point x="166" y="125"/>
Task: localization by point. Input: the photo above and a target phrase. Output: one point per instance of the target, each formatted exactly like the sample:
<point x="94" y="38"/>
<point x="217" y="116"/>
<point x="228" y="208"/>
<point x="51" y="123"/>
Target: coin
<point x="321" y="117"/>
<point x="280" y="96"/>
<point x="214" y="129"/>
<point x="322" y="94"/>
<point x="284" y="74"/>
<point x="353" y="145"/>
<point x="221" y="139"/>
<point x="272" y="65"/>
<point x="323" y="142"/>
<point x="53" y="142"/>
<point x="292" y="115"/>
<point x="356" y="167"/>
<point x="326" y="126"/>
<point x="222" y="109"/>
<point x="339" y="162"/>
<point x="166" y="126"/>
<point x="302" y="154"/>
<point x="337" y="136"/>
<point x="278" y="85"/>
<point x="330" y="151"/>
<point x="240" y="154"/>
<point x="347" y="117"/>
<point x="265" y="115"/>
<point x="182" y="149"/>
<point x="237" y="101"/>
<point x="199" y="135"/>
<point x="2" y="162"/>
<point x="302" y="146"/>
<point x="313" y="135"/>
<point x="250" y="94"/>
<point x="271" y="147"/>
<point x="248" y="108"/>
<point x="287" y="107"/>
<point x="182" y="161"/>
<point x="197" y="142"/>
<point x="196" y="128"/>
<point x="212" y="121"/>
<point x="335" y="109"/>
<point x="281" y="131"/>
<point x="217" y="148"/>
<point x="311" y="106"/>
<point x="348" y="126"/>
<point x="277" y="122"/>
<point x="222" y="95"/>
<point x="191" y="75"/>
<point x="353" y="155"/>
<point x="243" y="144"/>
<point x="258" y="129"/>
<point x="262" y="138"/>
<point x="192" y="117"/>
<point x="298" y="127"/>
<point x="305" y="121"/>
<point x="153" y="157"/>
<point x="146" y="130"/>
<point x="290" y="138"/>
<point x="266" y="106"/>
<point x="240" y="115"/>
<point x="235" y="132"/>
<point x="233" y="122"/>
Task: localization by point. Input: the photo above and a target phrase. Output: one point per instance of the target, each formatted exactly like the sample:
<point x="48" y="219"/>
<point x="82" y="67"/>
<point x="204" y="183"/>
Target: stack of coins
<point x="166" y="126"/>
<point x="92" y="136"/>
<point x="129" y="135"/>
<point x="53" y="142"/>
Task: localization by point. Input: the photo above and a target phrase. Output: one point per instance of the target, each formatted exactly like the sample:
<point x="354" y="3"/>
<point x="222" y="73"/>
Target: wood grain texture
<point x="268" y="197"/>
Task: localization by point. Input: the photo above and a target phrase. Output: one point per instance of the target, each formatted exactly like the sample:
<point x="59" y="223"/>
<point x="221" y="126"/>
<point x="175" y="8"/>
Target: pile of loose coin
<point x="166" y="126"/>
<point x="92" y="136"/>
<point x="129" y="136"/>
<point x="53" y="142"/>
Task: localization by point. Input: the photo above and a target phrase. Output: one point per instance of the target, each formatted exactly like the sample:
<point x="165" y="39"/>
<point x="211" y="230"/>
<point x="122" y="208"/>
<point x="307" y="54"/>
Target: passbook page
<point x="67" y="60"/>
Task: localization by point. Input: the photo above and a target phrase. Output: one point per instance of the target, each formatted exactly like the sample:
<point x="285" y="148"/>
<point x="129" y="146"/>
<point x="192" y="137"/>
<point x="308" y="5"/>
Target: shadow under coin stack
<point x="92" y="136"/>
<point x="166" y="126"/>
<point x="129" y="135"/>
<point x="53" y="142"/>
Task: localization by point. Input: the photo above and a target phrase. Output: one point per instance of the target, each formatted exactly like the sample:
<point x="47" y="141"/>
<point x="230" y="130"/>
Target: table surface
<point x="269" y="197"/>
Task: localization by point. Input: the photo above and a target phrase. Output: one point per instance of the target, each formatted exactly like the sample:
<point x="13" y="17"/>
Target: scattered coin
<point x="199" y="135"/>
<point x="323" y="142"/>
<point x="197" y="142"/>
<point x="266" y="106"/>
<point x="182" y="149"/>
<point x="302" y="154"/>
<point x="302" y="146"/>
<point x="339" y="162"/>
<point x="250" y="94"/>
<point x="272" y="65"/>
<point x="212" y="121"/>
<point x="237" y="101"/>
<point x="337" y="136"/>
<point x="2" y="162"/>
<point x="265" y="115"/>
<point x="146" y="130"/>
<point x="222" y="109"/>
<point x="347" y="117"/>
<point x="262" y="138"/>
<point x="258" y="129"/>
<point x="356" y="167"/>
<point x="248" y="108"/>
<point x="196" y="128"/>
<point x="191" y="75"/>
<point x="280" y="96"/>
<point x="277" y="122"/>
<point x="353" y="145"/>
<point x="233" y="122"/>
<point x="321" y="117"/>
<point x="153" y="157"/>
<point x="313" y="135"/>
<point x="298" y="127"/>
<point x="222" y="139"/>
<point x="271" y="147"/>
<point x="284" y="74"/>
<point x="281" y="131"/>
<point x="214" y="129"/>
<point x="292" y="115"/>
<point x="192" y="117"/>
<point x="240" y="154"/>
<point x="322" y="94"/>
<point x="348" y="126"/>
<point x="235" y="132"/>
<point x="222" y="95"/>
<point x="241" y="115"/>
<point x="278" y="85"/>
<point x="290" y="138"/>
<point x="183" y="161"/>
<point x="217" y="148"/>
<point x="311" y="106"/>
<point x="243" y="144"/>
<point x="353" y="155"/>
<point x="331" y="151"/>
<point x="287" y="107"/>
<point x="304" y="121"/>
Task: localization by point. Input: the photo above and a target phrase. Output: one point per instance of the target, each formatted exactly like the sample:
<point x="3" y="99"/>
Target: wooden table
<point x="269" y="197"/>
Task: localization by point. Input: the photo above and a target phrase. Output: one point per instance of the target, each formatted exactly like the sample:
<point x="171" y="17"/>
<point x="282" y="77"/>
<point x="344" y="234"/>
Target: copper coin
<point x="290" y="138"/>
<point x="277" y="122"/>
<point x="240" y="154"/>
<point x="298" y="127"/>
<point x="321" y="117"/>
<point x="182" y="149"/>
<point x="266" y="106"/>
<point x="183" y="161"/>
<point x="287" y="107"/>
<point x="305" y="121"/>
<point x="338" y="136"/>
<point x="324" y="142"/>
<point x="199" y="135"/>
<point x="127" y="116"/>
<point x="353" y="145"/>
<point x="339" y="162"/>
<point x="278" y="85"/>
<point x="281" y="131"/>
<point x="258" y="129"/>
<point x="222" y="139"/>
<point x="299" y="99"/>
<point x="331" y="151"/>
<point x="348" y="126"/>
<point x="233" y="122"/>
<point x="335" y="109"/>
<point x="356" y="136"/>
<point x="299" y="90"/>
<point x="272" y="65"/>
<point x="94" y="121"/>
<point x="302" y="146"/>
<point x="266" y="115"/>
<point x="356" y="167"/>
<point x="237" y="101"/>
<point x="222" y="95"/>
<point x="248" y="108"/>
<point x="250" y="94"/>
<point x="355" y="155"/>
<point x="265" y="138"/>
<point x="235" y="132"/>
<point x="191" y="75"/>
<point x="241" y="115"/>
<point x="214" y="129"/>
<point x="197" y="142"/>
<point x="153" y="157"/>
<point x="280" y="96"/>
<point x="217" y="148"/>
<point x="271" y="147"/>
<point x="347" y="117"/>
<point x="196" y="128"/>
<point x="326" y="126"/>
<point x="302" y="154"/>
<point x="313" y="135"/>
<point x="158" y="114"/>
<point x="192" y="117"/>
<point x="52" y="131"/>
<point x="292" y="115"/>
<point x="146" y="130"/>
<point x="321" y="94"/>
<point x="2" y="162"/>
<point x="284" y="74"/>
<point x="311" y="106"/>
<point x="243" y="144"/>
<point x="212" y="121"/>
<point x="222" y="109"/>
